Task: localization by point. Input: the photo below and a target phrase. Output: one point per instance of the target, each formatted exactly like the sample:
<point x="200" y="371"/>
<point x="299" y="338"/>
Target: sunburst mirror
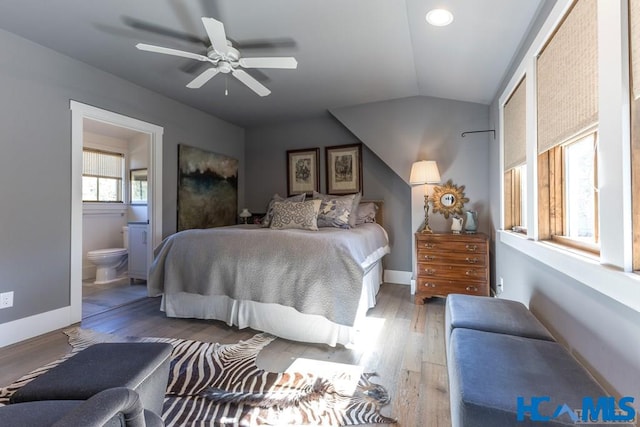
<point x="448" y="199"/>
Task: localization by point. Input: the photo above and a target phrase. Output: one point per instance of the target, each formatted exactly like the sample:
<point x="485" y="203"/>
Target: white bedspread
<point x="315" y="272"/>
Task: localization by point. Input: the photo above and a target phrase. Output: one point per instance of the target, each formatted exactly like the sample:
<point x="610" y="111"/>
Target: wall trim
<point x="610" y="281"/>
<point x="32" y="326"/>
<point x="79" y="112"/>
<point x="398" y="277"/>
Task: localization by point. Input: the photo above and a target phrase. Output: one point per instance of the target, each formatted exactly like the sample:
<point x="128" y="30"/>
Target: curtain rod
<point x="478" y="131"/>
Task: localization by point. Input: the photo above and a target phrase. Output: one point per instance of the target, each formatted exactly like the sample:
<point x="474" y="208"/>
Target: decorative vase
<point x="471" y="221"/>
<point x="456" y="225"/>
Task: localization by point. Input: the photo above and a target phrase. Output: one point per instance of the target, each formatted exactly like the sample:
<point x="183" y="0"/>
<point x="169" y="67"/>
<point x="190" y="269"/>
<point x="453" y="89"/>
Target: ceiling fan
<point x="225" y="59"/>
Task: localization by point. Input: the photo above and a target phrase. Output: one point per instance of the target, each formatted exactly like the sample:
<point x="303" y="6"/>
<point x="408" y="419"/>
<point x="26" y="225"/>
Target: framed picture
<point x="207" y="189"/>
<point x="344" y="169"/>
<point x="303" y="171"/>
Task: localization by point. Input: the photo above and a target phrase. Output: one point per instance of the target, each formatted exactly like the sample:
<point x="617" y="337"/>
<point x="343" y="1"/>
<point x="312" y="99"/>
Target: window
<point x="580" y="190"/>
<point x="102" y="174"/>
<point x="515" y="179"/>
<point x="522" y="170"/>
<point x="567" y="107"/>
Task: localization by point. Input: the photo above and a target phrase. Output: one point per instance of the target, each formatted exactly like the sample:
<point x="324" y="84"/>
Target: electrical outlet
<point x="500" y="287"/>
<point x="6" y="299"/>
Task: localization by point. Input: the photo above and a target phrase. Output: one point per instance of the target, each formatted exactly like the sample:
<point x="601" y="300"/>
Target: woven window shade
<point x="101" y="164"/>
<point x="634" y="35"/>
<point x="515" y="127"/>
<point x="567" y="72"/>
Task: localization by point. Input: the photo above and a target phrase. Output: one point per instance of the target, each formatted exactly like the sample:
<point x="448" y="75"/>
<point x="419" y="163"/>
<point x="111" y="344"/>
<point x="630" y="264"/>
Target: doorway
<point x="83" y="114"/>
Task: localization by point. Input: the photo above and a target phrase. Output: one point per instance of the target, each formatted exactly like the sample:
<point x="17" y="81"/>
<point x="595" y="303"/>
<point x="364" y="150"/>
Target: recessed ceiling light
<point x="439" y="17"/>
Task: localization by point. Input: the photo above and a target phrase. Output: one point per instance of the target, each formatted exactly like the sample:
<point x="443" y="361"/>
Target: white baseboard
<point x="32" y="326"/>
<point x="396" y="276"/>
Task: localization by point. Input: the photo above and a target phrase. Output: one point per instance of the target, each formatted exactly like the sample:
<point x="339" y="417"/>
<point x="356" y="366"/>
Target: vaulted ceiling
<point x="349" y="52"/>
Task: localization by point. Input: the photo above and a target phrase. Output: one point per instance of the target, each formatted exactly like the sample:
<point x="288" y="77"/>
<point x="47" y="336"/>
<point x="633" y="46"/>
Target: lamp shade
<point x="245" y="213"/>
<point x="424" y="172"/>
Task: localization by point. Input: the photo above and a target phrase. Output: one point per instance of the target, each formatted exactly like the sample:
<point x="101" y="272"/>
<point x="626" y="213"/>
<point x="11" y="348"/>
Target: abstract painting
<point x="207" y="189"/>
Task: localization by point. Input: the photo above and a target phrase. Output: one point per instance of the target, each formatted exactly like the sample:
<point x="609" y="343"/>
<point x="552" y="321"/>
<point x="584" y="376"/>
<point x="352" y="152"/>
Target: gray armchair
<point x="114" y="407"/>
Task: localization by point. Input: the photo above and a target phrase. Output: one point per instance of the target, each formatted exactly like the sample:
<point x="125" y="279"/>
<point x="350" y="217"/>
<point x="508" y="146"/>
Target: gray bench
<point x="498" y="352"/>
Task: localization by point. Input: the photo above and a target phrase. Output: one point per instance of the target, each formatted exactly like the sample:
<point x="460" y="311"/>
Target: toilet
<point x="110" y="262"/>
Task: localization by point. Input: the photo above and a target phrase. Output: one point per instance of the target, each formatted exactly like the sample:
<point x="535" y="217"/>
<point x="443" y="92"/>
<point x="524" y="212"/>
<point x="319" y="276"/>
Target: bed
<point x="307" y="286"/>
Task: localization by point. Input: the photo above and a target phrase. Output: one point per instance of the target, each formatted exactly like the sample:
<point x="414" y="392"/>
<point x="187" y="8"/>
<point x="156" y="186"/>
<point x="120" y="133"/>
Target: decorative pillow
<point x="299" y="215"/>
<point x="334" y="210"/>
<point x="278" y="198"/>
<point x="366" y="213"/>
<point x="354" y="210"/>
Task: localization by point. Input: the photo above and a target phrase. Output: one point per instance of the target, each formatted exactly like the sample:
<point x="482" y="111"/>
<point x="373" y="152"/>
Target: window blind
<point x="567" y="78"/>
<point x="634" y="35"/>
<point x="101" y="164"/>
<point x="515" y="124"/>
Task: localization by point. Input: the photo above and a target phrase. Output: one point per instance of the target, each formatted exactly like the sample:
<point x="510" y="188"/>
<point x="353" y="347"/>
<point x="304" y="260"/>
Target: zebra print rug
<point x="214" y="384"/>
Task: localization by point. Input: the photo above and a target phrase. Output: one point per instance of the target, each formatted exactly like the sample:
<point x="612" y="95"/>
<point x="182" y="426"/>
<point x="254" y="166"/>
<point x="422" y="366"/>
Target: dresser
<point x="450" y="263"/>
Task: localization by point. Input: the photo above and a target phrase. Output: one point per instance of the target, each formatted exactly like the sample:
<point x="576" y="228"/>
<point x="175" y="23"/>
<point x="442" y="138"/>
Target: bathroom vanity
<point x="138" y="236"/>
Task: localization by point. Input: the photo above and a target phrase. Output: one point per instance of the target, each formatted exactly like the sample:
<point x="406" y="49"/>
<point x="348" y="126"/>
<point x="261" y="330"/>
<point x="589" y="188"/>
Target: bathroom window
<point x="102" y="174"/>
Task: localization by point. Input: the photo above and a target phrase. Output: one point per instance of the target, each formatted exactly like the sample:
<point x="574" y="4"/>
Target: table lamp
<point x="425" y="172"/>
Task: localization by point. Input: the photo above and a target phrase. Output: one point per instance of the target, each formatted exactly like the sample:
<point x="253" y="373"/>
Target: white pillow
<point x="366" y="213"/>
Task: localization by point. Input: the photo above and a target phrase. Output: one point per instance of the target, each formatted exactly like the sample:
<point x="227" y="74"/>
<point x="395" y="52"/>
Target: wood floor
<point x="99" y="298"/>
<point x="404" y="345"/>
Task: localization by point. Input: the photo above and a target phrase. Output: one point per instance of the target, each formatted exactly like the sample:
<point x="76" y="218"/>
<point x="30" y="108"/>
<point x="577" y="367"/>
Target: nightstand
<point x="450" y="263"/>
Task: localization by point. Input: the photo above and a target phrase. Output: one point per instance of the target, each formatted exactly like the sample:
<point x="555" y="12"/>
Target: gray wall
<point x="401" y="131"/>
<point x="597" y="329"/>
<point x="267" y="165"/>
<point x="35" y="127"/>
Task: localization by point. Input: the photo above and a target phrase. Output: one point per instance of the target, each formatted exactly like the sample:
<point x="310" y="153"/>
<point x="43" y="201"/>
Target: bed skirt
<point x="281" y="321"/>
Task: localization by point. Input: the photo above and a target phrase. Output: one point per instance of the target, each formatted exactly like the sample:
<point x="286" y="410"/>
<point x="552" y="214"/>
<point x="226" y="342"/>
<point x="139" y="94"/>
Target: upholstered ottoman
<point x="492" y="315"/>
<point x="488" y="372"/>
<point x="142" y="367"/>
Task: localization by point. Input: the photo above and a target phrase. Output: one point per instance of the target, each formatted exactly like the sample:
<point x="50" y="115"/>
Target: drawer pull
<point x="472" y="260"/>
<point x="429" y="271"/>
<point x="471" y="272"/>
<point x="429" y="257"/>
<point x="471" y="248"/>
<point x="429" y="245"/>
<point x="472" y="288"/>
<point x="433" y="285"/>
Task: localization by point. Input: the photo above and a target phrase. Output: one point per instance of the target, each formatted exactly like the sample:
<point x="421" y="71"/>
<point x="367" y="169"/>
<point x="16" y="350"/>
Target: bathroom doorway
<point x="115" y="166"/>
<point x="143" y="143"/>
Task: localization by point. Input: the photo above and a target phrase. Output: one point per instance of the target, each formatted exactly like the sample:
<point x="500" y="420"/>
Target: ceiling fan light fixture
<point x="439" y="17"/>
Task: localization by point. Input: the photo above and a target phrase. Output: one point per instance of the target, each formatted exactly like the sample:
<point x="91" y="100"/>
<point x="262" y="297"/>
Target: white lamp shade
<point x="424" y="172"/>
<point x="245" y="213"/>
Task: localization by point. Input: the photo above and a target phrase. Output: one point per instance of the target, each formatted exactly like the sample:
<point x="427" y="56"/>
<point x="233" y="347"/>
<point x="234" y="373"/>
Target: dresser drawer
<point x="428" y="287"/>
<point x="434" y="257"/>
<point x="467" y="246"/>
<point x="460" y="272"/>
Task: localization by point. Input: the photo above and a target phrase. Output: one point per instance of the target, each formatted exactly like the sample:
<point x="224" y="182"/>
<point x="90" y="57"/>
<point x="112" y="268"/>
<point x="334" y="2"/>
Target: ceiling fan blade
<point x="204" y="77"/>
<point x="253" y="84"/>
<point x="163" y="31"/>
<point x="174" y="52"/>
<point x="217" y="36"/>
<point x="274" y="62"/>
